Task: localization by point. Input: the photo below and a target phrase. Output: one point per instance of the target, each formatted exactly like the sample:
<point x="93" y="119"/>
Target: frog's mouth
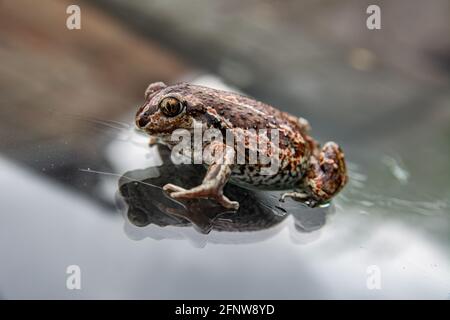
<point x="153" y="130"/>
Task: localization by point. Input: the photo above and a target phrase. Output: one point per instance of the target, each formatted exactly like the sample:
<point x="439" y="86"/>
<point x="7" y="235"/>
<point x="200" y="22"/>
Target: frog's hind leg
<point x="328" y="174"/>
<point x="325" y="178"/>
<point x="212" y="185"/>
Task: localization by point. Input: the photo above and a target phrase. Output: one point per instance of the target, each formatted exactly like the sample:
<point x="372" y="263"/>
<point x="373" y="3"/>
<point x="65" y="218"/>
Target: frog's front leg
<point x="326" y="176"/>
<point x="215" y="179"/>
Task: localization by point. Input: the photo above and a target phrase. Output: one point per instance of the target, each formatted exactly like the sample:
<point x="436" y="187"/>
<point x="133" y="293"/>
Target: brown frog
<point x="315" y="174"/>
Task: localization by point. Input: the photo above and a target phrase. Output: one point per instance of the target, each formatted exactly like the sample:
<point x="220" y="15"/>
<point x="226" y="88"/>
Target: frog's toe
<point x="187" y="194"/>
<point x="298" y="196"/>
<point x="173" y="188"/>
<point x="227" y="203"/>
<point x="182" y="195"/>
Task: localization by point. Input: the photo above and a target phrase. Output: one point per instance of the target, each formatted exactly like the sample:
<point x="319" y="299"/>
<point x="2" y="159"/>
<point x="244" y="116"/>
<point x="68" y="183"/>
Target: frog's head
<point x="167" y="108"/>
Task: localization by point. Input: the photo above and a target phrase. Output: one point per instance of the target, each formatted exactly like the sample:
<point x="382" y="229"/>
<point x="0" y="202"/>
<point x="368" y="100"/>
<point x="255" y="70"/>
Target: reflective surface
<point x="148" y="205"/>
<point x="178" y="252"/>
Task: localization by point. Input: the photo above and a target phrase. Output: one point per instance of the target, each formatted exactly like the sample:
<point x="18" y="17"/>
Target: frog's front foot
<point x="201" y="191"/>
<point x="212" y="185"/>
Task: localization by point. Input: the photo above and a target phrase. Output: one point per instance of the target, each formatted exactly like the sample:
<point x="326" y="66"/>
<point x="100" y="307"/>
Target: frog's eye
<point x="171" y="106"/>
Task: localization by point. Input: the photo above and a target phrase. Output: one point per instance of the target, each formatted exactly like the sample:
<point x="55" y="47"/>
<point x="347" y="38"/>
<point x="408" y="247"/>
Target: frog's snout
<point x="142" y="117"/>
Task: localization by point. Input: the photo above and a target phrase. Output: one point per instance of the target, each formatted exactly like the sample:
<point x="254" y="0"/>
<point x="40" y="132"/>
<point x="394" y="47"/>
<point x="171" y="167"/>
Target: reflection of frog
<point x="318" y="174"/>
<point x="147" y="204"/>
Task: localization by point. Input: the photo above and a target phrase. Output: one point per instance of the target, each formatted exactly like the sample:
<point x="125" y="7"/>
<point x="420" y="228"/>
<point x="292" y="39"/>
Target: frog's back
<point x="245" y="113"/>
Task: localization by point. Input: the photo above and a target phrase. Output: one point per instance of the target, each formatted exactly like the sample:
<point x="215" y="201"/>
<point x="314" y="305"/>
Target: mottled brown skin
<point x="316" y="174"/>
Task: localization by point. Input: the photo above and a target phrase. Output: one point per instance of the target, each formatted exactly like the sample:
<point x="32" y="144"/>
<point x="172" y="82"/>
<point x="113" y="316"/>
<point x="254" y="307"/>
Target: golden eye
<point x="171" y="107"/>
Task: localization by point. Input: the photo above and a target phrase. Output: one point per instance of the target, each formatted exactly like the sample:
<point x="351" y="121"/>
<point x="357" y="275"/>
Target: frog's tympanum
<point x="315" y="174"/>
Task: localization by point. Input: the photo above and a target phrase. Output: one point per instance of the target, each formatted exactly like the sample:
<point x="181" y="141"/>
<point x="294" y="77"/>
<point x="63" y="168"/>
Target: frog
<point x="307" y="172"/>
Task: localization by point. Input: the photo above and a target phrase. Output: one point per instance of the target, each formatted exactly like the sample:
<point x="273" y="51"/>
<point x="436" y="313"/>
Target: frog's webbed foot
<point x="212" y="185"/>
<point x="301" y="197"/>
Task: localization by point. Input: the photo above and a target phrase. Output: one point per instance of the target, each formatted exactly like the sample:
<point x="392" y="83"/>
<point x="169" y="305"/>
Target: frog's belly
<point x="250" y="176"/>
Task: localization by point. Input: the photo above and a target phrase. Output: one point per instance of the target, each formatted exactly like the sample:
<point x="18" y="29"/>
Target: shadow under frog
<point x="152" y="213"/>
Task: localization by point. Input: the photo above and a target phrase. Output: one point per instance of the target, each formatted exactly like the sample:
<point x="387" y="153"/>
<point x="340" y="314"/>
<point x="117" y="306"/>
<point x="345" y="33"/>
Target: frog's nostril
<point x="142" y="122"/>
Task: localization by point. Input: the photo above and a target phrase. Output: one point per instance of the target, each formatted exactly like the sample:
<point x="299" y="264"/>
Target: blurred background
<point x="67" y="104"/>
